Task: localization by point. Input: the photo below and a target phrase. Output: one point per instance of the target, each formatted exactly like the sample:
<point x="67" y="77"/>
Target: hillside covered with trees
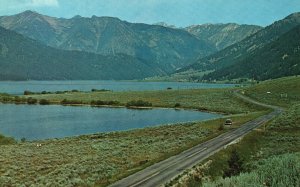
<point x="24" y="59"/>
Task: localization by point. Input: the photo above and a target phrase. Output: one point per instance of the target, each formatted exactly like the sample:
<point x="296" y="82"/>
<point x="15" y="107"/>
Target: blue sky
<point x="177" y="12"/>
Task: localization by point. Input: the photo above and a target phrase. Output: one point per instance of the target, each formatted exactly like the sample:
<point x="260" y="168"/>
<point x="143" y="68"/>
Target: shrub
<point x="27" y="92"/>
<point x="19" y="100"/>
<point x="113" y="103"/>
<point x="235" y="164"/>
<point x="70" y="102"/>
<point x="6" y="140"/>
<point x="59" y="92"/>
<point x="177" y="105"/>
<point x="99" y="103"/>
<point x="44" y="102"/>
<point x="283" y="170"/>
<point x="64" y="102"/>
<point x="31" y="101"/>
<point x="101" y="90"/>
<point x="139" y="103"/>
<point x="221" y="127"/>
<point x="6" y="99"/>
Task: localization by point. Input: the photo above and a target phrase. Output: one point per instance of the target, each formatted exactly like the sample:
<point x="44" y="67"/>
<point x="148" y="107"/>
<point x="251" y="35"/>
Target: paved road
<point x="162" y="172"/>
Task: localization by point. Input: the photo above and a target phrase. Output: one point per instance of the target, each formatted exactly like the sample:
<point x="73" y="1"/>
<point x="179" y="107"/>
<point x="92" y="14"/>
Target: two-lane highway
<point x="162" y="172"/>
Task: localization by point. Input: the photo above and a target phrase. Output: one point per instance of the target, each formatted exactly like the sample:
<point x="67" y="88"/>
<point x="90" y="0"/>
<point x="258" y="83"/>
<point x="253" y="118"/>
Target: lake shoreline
<point x="18" y="87"/>
<point x="118" y="106"/>
<point x="197" y="100"/>
<point x="36" y="122"/>
<point x="158" y="143"/>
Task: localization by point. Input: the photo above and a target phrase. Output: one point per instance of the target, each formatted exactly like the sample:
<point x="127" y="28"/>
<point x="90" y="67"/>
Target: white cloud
<point x="39" y="3"/>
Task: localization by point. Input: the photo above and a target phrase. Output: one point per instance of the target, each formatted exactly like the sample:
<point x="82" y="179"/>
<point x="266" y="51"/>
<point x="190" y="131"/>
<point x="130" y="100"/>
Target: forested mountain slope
<point x="168" y="47"/>
<point x="278" y="59"/>
<point x="22" y="58"/>
<point x="247" y="47"/>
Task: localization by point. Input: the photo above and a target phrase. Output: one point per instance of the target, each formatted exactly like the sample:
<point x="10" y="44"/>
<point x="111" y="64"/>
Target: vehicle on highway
<point x="228" y="122"/>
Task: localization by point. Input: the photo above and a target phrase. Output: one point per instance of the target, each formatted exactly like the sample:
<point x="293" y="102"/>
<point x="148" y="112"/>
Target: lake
<point x="35" y="122"/>
<point x="18" y="87"/>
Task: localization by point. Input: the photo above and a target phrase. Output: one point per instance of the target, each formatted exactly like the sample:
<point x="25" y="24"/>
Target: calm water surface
<point x="18" y="87"/>
<point x="35" y="122"/>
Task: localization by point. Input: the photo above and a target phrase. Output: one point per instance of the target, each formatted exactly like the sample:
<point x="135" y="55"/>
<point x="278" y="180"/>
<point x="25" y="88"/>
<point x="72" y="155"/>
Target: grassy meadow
<point x="272" y="171"/>
<point x="281" y="92"/>
<point x="268" y="149"/>
<point x="102" y="158"/>
<point x="6" y="140"/>
<point x="213" y="100"/>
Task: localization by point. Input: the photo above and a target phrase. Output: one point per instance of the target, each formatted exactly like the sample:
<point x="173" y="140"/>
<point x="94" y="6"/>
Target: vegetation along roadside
<point x="264" y="154"/>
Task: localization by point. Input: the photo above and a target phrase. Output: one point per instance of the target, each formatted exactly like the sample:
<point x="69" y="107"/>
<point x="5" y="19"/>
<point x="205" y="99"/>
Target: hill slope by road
<point x="282" y="92"/>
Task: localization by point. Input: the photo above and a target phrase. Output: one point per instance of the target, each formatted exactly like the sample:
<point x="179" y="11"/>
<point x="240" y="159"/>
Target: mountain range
<point x="240" y="53"/>
<point x="222" y="35"/>
<point x="168" y="47"/>
<point x="35" y="46"/>
<point x="279" y="58"/>
<point x="22" y="58"/>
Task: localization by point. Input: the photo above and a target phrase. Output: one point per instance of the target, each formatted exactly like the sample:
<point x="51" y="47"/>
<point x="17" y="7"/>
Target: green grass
<point x="182" y="76"/>
<point x="284" y="91"/>
<point x="263" y="144"/>
<point x="216" y="100"/>
<point x="6" y="140"/>
<point x="281" y="136"/>
<point x="102" y="158"/>
<point x="280" y="171"/>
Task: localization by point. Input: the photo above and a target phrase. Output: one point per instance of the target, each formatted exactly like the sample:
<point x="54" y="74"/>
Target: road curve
<point x="162" y="172"/>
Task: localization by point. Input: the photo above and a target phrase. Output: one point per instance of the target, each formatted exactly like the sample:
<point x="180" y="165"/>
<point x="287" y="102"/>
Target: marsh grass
<point x="216" y="100"/>
<point x="138" y="103"/>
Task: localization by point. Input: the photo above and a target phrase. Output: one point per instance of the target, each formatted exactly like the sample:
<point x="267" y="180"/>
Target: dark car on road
<point x="228" y="122"/>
